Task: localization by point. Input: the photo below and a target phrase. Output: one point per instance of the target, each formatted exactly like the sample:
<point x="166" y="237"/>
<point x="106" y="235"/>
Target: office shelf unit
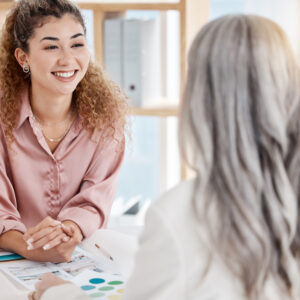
<point x="192" y="14"/>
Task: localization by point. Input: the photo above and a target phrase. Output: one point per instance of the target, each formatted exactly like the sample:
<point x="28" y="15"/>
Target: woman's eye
<point x="77" y="45"/>
<point x="51" y="47"/>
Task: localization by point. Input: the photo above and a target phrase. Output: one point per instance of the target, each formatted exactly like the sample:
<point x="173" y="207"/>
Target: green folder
<point x="11" y="256"/>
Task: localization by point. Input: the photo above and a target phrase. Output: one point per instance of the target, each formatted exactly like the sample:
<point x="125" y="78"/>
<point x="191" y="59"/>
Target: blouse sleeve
<point x="90" y="208"/>
<point x="9" y="215"/>
<point x="158" y="267"/>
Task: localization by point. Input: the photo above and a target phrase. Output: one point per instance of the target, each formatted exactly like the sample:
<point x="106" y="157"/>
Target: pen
<point x="103" y="251"/>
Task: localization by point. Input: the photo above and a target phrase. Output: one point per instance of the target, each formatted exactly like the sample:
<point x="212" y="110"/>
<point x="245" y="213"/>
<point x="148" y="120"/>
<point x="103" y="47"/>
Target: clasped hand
<point x="57" y="238"/>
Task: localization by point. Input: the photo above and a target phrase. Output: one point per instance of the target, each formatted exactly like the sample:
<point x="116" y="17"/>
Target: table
<point x="120" y="242"/>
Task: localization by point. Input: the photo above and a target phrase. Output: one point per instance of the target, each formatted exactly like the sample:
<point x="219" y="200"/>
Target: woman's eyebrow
<point x="76" y="35"/>
<point x="52" y="38"/>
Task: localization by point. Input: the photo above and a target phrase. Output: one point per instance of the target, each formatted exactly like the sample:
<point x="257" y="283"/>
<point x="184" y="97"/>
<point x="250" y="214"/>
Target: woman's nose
<point x="65" y="57"/>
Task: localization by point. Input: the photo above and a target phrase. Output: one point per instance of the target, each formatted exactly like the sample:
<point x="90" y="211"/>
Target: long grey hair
<point x="239" y="130"/>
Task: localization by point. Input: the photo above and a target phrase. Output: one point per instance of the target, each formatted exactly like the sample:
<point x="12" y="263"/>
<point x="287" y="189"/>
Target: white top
<point x="172" y="258"/>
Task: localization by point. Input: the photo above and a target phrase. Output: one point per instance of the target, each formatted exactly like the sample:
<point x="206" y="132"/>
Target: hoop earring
<point x="26" y="69"/>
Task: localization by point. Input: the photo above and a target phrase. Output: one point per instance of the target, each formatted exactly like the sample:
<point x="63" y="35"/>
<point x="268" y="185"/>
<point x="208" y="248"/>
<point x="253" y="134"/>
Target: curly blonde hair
<point x="99" y="102"/>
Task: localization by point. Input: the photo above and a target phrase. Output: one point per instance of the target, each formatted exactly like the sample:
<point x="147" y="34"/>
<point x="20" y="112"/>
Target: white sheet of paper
<point x="28" y="272"/>
<point x="122" y="247"/>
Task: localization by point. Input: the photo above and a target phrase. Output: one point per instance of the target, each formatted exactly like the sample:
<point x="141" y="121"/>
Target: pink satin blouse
<point x="77" y="182"/>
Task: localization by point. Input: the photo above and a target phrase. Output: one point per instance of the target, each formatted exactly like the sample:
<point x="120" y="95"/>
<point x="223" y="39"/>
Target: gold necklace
<point x="53" y="140"/>
<point x="57" y="139"/>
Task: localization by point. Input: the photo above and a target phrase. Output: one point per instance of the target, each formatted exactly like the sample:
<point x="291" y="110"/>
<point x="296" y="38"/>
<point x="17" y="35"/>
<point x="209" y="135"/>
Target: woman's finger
<point x="62" y="238"/>
<point x="48" y="235"/>
<point x="72" y="230"/>
<point x="69" y="230"/>
<point x="40" y="236"/>
<point x="47" y="222"/>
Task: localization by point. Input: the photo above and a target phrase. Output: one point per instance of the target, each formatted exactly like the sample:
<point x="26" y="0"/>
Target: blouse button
<point x="55" y="203"/>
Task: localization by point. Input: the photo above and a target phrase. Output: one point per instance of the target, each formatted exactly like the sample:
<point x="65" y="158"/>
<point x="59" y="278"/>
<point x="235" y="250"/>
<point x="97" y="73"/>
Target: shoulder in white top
<point x="172" y="257"/>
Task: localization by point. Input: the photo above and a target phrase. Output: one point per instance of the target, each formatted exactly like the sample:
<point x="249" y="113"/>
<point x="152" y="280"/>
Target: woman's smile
<point x="65" y="75"/>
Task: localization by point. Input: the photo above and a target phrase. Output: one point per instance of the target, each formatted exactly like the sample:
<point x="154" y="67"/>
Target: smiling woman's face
<point x="58" y="56"/>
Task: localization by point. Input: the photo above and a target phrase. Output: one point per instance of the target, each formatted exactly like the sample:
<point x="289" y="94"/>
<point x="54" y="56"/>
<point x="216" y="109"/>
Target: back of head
<point x="238" y="129"/>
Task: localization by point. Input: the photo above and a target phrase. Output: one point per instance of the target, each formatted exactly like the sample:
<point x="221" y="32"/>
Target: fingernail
<point x="63" y="226"/>
<point x="65" y="238"/>
<point x="46" y="247"/>
<point x="58" y="222"/>
<point x="30" y="247"/>
<point x="29" y="241"/>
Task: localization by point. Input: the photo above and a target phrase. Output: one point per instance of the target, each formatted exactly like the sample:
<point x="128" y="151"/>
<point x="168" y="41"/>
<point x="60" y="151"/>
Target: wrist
<point x="13" y="241"/>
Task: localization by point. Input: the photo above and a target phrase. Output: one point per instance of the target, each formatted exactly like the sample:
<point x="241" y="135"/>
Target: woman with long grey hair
<point x="233" y="231"/>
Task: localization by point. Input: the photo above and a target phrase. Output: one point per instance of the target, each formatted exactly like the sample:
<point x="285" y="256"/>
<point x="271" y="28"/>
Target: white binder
<point x="141" y="60"/>
<point x="113" y="52"/>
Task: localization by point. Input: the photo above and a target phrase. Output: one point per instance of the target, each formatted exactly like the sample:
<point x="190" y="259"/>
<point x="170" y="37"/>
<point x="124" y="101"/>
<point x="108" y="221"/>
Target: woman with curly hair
<point x="61" y="130"/>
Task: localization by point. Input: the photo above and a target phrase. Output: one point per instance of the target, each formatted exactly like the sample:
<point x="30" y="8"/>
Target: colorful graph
<point x="104" y="286"/>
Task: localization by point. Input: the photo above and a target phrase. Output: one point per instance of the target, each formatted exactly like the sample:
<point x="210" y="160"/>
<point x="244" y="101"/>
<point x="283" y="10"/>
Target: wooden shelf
<point x="126" y="1"/>
<point x="106" y="5"/>
<point x="170" y="111"/>
<point x="120" y="6"/>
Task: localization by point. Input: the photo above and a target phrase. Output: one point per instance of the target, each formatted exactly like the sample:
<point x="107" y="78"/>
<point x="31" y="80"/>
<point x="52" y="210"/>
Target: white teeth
<point x="65" y="74"/>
